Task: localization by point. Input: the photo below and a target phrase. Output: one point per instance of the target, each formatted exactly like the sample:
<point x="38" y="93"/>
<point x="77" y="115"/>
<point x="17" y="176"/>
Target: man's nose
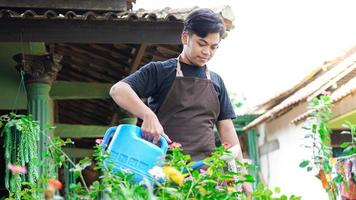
<point x="205" y="51"/>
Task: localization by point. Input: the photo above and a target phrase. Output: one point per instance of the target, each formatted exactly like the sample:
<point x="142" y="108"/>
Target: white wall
<point x="280" y="168"/>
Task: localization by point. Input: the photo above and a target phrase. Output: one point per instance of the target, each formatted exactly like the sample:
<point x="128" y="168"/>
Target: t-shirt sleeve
<point x="144" y="81"/>
<point x="226" y="108"/>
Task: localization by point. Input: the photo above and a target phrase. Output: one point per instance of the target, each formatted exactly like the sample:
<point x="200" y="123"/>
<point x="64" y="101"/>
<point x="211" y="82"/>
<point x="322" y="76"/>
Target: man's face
<point x="200" y="50"/>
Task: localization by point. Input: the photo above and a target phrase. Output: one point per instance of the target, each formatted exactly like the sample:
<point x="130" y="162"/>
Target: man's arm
<point x="228" y="135"/>
<point x="125" y="97"/>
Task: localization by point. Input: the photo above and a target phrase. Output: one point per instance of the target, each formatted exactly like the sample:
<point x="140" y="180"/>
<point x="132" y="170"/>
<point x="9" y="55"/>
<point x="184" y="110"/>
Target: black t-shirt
<point x="154" y="80"/>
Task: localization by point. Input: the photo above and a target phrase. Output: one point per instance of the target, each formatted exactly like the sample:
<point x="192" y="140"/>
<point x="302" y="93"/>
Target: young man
<point x="185" y="99"/>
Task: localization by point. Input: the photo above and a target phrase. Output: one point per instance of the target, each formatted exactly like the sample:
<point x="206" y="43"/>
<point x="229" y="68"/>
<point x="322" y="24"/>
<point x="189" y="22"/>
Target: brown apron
<point x="189" y="112"/>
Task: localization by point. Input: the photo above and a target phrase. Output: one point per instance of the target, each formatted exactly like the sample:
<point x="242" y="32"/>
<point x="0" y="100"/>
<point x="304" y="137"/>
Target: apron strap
<point x="179" y="72"/>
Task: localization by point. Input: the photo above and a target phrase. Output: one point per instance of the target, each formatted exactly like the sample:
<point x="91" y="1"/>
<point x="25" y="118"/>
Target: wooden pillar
<point x="40" y="71"/>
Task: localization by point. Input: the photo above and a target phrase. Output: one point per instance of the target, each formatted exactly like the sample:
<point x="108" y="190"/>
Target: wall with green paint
<point x="9" y="77"/>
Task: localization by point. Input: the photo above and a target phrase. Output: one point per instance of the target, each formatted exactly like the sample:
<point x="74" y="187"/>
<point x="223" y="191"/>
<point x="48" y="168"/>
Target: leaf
<point x="345" y="145"/>
<point x="309" y="168"/>
<point x="315" y="101"/>
<point x="304" y="163"/>
<point x="306" y="128"/>
<point x="277" y="190"/>
<point x="249" y="178"/>
<point x="338" y="179"/>
<point x="326" y="166"/>
<point x="283" y="197"/>
<point x="314" y="128"/>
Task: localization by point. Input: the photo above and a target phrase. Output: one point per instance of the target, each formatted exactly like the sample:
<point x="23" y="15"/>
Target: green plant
<point x="22" y="178"/>
<point x="322" y="159"/>
<point x="214" y="183"/>
<point x="21" y="135"/>
<point x="263" y="193"/>
<point x="178" y="180"/>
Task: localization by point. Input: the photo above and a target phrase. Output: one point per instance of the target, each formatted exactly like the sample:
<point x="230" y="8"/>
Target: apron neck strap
<point x="179" y="72"/>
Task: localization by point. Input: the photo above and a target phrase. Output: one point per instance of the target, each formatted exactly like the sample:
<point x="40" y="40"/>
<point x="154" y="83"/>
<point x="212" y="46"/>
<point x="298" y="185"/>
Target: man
<point x="185" y="99"/>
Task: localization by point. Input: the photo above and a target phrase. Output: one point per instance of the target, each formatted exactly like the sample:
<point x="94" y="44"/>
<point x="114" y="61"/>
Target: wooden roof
<point x="338" y="72"/>
<point x="98" y="48"/>
<point x="80" y="26"/>
<point x="101" y="63"/>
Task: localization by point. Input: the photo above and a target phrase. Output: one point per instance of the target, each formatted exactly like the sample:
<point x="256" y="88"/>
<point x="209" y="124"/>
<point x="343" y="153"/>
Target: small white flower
<point x="125" y="170"/>
<point x="157" y="173"/>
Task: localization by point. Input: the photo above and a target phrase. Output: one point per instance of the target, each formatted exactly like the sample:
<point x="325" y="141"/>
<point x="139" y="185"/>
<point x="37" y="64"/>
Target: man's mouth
<point x="202" y="58"/>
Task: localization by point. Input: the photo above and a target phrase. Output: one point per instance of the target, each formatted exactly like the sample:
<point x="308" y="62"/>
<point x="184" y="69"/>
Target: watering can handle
<point x="164" y="143"/>
<point x="198" y="164"/>
<point x="107" y="136"/>
<point x="195" y="165"/>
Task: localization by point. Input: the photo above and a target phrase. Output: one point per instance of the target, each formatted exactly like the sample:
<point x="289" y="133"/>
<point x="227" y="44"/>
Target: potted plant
<point x="20" y="134"/>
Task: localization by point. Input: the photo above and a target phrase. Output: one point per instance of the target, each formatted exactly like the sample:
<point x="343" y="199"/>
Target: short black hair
<point x="203" y="21"/>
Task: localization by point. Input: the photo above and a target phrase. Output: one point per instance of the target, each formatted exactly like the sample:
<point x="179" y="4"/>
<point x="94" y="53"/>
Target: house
<point x="280" y="121"/>
<point x="68" y="54"/>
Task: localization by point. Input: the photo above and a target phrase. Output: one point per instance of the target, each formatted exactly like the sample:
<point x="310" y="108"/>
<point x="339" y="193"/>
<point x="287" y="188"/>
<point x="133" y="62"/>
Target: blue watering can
<point x="129" y="151"/>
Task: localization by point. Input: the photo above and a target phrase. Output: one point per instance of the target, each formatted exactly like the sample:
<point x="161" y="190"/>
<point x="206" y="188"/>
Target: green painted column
<point x="40" y="71"/>
<point x="253" y="153"/>
<point x="69" y="179"/>
<point x="41" y="107"/>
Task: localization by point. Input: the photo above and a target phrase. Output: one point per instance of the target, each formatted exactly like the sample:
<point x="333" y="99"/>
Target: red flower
<point x="174" y="145"/>
<point x="17" y="169"/>
<point x="226" y="145"/>
<point x="55" y="183"/>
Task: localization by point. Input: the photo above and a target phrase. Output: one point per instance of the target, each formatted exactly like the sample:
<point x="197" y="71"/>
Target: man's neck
<point x="184" y="59"/>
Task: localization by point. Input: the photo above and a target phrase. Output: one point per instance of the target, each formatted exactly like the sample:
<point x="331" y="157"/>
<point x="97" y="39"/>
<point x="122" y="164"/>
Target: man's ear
<point x="184" y="37"/>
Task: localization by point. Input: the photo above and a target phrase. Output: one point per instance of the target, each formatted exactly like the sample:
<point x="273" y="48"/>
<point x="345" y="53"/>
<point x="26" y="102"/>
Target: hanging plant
<point x="20" y="134"/>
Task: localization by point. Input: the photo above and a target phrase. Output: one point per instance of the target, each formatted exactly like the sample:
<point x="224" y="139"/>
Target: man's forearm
<point x="228" y="135"/>
<point x="126" y="98"/>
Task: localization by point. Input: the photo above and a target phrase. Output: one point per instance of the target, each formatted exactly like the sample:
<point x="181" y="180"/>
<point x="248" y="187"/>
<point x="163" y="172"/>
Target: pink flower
<point x="174" y="145"/>
<point x="98" y="141"/>
<point x="17" y="169"/>
<point x="203" y="172"/>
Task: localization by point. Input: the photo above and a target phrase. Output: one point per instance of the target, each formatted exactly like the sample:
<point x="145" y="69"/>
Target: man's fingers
<point x="167" y="138"/>
<point x="146" y="135"/>
<point x="155" y="139"/>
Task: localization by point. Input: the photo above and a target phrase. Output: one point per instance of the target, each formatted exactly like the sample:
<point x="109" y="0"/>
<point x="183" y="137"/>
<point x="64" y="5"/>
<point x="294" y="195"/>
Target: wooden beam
<point x="98" y="64"/>
<point x="79" y="90"/>
<point x="90" y="116"/>
<point x="85" y="49"/>
<point x="167" y="50"/>
<point x="111" y="51"/>
<point x="90" y="31"/>
<point x="79" y="131"/>
<point x="138" y="58"/>
<point x="93" y="70"/>
<point x="78" y="152"/>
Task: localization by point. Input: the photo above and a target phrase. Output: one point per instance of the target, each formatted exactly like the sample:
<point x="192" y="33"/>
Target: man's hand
<point x="152" y="128"/>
